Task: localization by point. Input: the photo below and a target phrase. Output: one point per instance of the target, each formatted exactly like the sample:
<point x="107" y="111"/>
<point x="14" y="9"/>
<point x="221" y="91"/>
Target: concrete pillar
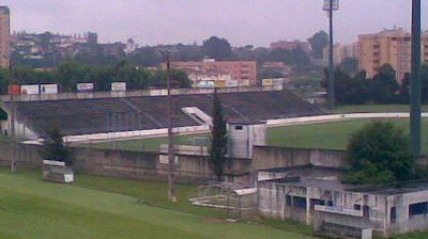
<point x="308" y="206"/>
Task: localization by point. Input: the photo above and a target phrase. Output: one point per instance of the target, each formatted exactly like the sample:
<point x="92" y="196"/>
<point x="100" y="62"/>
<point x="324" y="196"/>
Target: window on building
<point x="288" y="200"/>
<point x="366" y="211"/>
<point x="393" y="215"/>
<point x="317" y="202"/>
<point x="418" y="209"/>
<point x="239" y="127"/>
<point x="299" y="202"/>
<point x="357" y="207"/>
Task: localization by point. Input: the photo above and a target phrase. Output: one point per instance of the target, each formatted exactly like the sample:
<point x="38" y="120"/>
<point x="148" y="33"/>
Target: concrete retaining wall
<point x="266" y="157"/>
<point x="127" y="164"/>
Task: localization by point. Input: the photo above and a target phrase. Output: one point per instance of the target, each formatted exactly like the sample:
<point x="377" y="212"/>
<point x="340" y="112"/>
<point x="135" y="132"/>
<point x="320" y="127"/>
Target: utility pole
<point x="330" y="6"/>
<point x="12" y="120"/>
<point x="415" y="108"/>
<point x="171" y="159"/>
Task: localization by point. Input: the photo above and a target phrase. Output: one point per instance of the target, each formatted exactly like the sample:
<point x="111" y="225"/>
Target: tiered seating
<point x="99" y="115"/>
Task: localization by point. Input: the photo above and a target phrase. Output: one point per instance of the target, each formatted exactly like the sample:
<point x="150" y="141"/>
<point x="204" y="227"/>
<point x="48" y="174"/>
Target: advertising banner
<point x="30" y="89"/>
<point x="85" y="87"/>
<point x="49" y="88"/>
<point x="118" y="86"/>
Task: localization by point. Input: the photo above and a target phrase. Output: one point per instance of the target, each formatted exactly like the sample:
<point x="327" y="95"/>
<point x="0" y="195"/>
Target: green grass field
<point x="375" y="108"/>
<point x="332" y="135"/>
<point x="150" y="144"/>
<point x="96" y="207"/>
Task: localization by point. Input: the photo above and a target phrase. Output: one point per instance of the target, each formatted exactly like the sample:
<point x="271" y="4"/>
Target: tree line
<point x="69" y="74"/>
<point x="382" y="88"/>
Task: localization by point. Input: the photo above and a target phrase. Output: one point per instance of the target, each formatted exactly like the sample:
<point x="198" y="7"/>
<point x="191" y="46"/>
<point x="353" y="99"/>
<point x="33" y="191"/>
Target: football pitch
<point x="90" y="208"/>
<point x="108" y="208"/>
<point x="328" y="135"/>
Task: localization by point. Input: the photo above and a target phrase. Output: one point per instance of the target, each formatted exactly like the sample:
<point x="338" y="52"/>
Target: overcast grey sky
<point x="242" y="22"/>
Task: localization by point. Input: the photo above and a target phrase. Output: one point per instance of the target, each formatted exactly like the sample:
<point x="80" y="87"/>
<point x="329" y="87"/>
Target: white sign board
<point x="81" y="87"/>
<point x="278" y="81"/>
<point x="267" y="82"/>
<point x="30" y="89"/>
<point x="232" y="83"/>
<point x="118" y="86"/>
<point x="163" y="159"/>
<point x="49" y="88"/>
<point x="206" y="84"/>
<point x="244" y="83"/>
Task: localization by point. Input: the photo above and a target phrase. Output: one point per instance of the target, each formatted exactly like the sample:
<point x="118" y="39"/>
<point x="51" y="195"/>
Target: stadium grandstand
<point x="82" y="116"/>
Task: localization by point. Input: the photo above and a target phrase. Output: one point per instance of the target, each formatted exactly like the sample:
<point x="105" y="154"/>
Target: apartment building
<point x="4" y="36"/>
<point x="341" y="52"/>
<point x="388" y="47"/>
<point x="425" y="47"/>
<point x="237" y="71"/>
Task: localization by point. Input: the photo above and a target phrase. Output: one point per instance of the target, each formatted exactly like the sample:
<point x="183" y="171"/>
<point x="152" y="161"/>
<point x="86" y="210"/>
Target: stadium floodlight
<point x="330" y="6"/>
<point x="415" y="107"/>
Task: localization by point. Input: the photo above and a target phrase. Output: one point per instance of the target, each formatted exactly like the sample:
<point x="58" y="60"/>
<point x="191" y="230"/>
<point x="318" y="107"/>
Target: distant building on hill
<point x="220" y="73"/>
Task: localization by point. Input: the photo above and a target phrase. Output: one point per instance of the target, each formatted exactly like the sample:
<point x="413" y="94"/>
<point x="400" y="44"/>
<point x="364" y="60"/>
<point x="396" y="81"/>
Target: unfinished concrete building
<point x="314" y="195"/>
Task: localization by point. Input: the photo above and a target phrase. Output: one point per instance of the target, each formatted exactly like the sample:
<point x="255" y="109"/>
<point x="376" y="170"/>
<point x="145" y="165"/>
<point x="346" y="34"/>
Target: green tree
<point x="384" y="85"/>
<point x="71" y="73"/>
<point x="4" y="81"/>
<point x="347" y="89"/>
<point x="318" y="42"/>
<point x="55" y="149"/>
<point x="404" y="90"/>
<point x="146" y="56"/>
<point x="281" y="55"/>
<point x="379" y="153"/>
<point x="217" y="48"/>
<point x="218" y="138"/>
<point x="349" y="65"/>
<point x="179" y="79"/>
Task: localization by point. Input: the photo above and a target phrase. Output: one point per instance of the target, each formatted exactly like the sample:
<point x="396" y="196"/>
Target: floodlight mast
<point x="330" y="6"/>
<point x="171" y="162"/>
<point x="415" y="108"/>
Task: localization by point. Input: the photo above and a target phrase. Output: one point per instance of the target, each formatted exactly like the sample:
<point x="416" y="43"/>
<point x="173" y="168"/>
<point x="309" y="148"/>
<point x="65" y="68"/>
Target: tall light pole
<point x="171" y="162"/>
<point x="415" y="108"/>
<point x="329" y="7"/>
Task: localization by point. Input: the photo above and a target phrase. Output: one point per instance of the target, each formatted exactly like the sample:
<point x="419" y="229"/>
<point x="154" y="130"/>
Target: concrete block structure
<point x="243" y="137"/>
<point x="315" y="196"/>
